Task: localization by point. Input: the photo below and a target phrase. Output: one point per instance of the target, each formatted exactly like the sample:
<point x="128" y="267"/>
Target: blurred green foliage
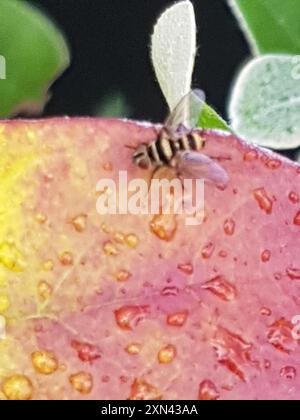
<point x="272" y="26"/>
<point x="114" y="104"/>
<point x="34" y="53"/>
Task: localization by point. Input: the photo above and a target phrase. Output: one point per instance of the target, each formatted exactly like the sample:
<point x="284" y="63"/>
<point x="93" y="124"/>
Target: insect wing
<point x="187" y="113"/>
<point x="194" y="165"/>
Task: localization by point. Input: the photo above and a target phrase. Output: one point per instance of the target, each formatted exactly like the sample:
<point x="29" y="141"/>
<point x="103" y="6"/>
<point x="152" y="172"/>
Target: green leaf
<point x="34" y="54"/>
<point x="210" y="120"/>
<point x="113" y="105"/>
<point x="271" y="26"/>
<point x="265" y="102"/>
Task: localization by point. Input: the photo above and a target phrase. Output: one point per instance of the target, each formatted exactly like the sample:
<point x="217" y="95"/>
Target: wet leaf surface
<point x="206" y="314"/>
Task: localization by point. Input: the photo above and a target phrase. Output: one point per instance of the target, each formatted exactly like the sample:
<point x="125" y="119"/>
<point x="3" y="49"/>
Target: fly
<point x="179" y="145"/>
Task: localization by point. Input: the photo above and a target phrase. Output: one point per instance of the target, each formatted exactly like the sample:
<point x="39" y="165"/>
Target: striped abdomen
<point x="164" y="149"/>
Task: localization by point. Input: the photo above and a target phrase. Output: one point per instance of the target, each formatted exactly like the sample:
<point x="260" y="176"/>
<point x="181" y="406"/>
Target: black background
<point x="109" y="40"/>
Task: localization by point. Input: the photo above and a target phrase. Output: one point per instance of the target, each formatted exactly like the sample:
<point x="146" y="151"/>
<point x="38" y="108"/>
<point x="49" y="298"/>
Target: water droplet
<point x="294" y="197"/>
<point x="293" y="273"/>
<point x="164" y="226"/>
<point x="66" y="258"/>
<point x="221" y="288"/>
<point x="177" y="319"/>
<point x="280" y="336"/>
<point x="288" y="372"/>
<point x="233" y="352"/>
<point x="223" y="254"/>
<point x="277" y="276"/>
<point x="86" y="352"/>
<point x="48" y="266"/>
<point x="18" y="388"/>
<point x="41" y="218"/>
<point x="132" y="240"/>
<point x="187" y="269"/>
<point x="267" y="364"/>
<point x="208" y="391"/>
<point x="229" y="227"/>
<point x="133" y="349"/>
<point x="142" y="390"/>
<point x="266" y="256"/>
<point x="273" y="164"/>
<point x="170" y="291"/>
<point x="108" y="167"/>
<point x="110" y="249"/>
<point x="265" y="311"/>
<point x="123" y="275"/>
<point x="119" y="238"/>
<point x="44" y="290"/>
<point x="79" y="223"/>
<point x="208" y="250"/>
<point x="297" y="219"/>
<point x="167" y="354"/>
<point x="44" y="362"/>
<point x="123" y="379"/>
<point x="251" y="156"/>
<point x="129" y="316"/>
<point x="106" y="229"/>
<point x="264" y="201"/>
<point x="82" y="382"/>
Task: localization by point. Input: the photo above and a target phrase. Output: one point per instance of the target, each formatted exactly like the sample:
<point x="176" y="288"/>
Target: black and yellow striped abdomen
<point x="164" y="149"/>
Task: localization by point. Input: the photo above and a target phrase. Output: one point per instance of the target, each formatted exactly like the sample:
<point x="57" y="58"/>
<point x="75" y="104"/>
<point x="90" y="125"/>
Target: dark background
<point x="109" y="40"/>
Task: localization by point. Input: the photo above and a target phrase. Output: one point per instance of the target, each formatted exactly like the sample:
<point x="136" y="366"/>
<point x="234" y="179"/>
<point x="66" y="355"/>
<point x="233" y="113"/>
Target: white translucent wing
<point x="194" y="165"/>
<point x="173" y="51"/>
<point x="187" y="112"/>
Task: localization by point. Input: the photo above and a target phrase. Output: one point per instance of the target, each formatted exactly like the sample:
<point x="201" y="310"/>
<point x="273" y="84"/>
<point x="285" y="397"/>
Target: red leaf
<point x="179" y="312"/>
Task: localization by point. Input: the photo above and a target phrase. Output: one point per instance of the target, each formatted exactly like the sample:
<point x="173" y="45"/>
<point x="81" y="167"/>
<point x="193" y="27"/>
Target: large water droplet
<point x="167" y="354"/>
<point x="293" y="273"/>
<point x="164" y="226"/>
<point x="221" y="288"/>
<point x="110" y="249"/>
<point x="133" y="349"/>
<point x="264" y="201"/>
<point x="44" y="362"/>
<point x="82" y="382"/>
<point x="208" y="391"/>
<point x="18" y="388"/>
<point x="79" y="223"/>
<point x="132" y="240"/>
<point x="66" y="258"/>
<point x="129" y="316"/>
<point x="187" y="269"/>
<point x="142" y="390"/>
<point x="123" y="275"/>
<point x="297" y="219"/>
<point x="177" y="319"/>
<point x="288" y="372"/>
<point x="86" y="352"/>
<point x="294" y="197"/>
<point x="280" y="336"/>
<point x="229" y="227"/>
<point x="266" y="256"/>
<point x="208" y="250"/>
